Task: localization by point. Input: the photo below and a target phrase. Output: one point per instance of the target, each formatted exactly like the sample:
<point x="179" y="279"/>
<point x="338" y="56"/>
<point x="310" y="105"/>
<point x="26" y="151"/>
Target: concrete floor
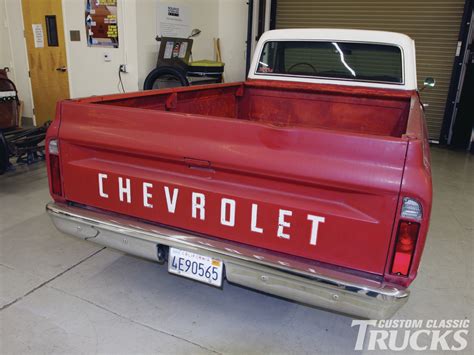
<point x="62" y="295"/>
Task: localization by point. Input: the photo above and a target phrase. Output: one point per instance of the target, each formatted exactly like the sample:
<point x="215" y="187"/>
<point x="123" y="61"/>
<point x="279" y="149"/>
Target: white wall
<point x="147" y="46"/>
<point x="137" y="23"/>
<point x="6" y="53"/>
<point x="226" y="19"/>
<point x="89" y="74"/>
<point x="232" y="21"/>
<point x="204" y="15"/>
<point x="13" y="51"/>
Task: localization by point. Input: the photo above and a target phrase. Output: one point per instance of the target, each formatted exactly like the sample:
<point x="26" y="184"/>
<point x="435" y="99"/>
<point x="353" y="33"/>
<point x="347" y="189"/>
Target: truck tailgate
<point x="312" y="193"/>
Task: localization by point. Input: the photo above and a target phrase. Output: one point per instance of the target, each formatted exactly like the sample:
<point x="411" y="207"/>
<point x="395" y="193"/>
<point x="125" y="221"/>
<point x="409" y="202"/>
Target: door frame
<point x="259" y="19"/>
<point x="249" y="41"/>
<point x="459" y="70"/>
<point x="273" y="14"/>
<point x="19" y="58"/>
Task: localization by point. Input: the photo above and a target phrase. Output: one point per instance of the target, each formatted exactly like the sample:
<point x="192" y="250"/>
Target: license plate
<point x="194" y="266"/>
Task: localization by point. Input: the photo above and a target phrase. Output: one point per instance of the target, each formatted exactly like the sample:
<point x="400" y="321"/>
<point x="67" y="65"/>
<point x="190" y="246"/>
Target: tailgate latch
<point x="197" y="163"/>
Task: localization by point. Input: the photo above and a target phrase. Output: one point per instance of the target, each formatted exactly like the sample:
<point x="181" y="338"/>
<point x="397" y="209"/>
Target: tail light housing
<point x="407" y="236"/>
<point x="54" y="168"/>
<point x="53" y="147"/>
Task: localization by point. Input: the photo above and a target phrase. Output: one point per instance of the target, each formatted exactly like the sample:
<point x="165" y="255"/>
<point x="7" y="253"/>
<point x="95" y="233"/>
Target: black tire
<point x="177" y="75"/>
<point x="4" y="156"/>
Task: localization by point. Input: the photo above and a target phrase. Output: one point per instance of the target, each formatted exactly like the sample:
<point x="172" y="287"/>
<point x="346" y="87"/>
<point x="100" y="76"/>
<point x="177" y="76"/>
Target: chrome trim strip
<point x="304" y="281"/>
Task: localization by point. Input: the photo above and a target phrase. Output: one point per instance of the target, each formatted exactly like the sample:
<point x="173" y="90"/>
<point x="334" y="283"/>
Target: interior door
<point x="44" y="33"/>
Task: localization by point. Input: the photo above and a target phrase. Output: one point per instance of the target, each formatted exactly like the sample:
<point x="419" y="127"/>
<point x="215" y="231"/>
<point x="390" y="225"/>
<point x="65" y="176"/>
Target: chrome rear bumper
<point x="303" y="281"/>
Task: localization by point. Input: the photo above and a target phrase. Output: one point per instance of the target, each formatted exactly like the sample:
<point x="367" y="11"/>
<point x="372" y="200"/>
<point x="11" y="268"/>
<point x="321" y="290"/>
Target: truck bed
<point x="315" y="153"/>
<point x="357" y="110"/>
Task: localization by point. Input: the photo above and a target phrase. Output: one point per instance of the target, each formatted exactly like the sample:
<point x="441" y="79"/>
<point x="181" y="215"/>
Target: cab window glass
<point x="340" y="60"/>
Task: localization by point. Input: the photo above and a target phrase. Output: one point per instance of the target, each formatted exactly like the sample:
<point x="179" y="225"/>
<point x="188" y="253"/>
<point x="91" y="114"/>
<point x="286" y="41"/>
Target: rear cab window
<point x="357" y="61"/>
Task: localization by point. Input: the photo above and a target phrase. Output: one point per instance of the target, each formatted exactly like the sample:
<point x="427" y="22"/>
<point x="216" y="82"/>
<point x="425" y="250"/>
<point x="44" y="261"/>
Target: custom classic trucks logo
<point x="412" y="334"/>
<point x="209" y="207"/>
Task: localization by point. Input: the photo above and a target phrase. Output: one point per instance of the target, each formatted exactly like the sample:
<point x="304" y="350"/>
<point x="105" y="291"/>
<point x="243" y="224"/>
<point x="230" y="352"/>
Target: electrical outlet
<point x="123" y="68"/>
<point x="107" y="57"/>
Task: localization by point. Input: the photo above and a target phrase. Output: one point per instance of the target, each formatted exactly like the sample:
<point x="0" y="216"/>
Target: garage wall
<point x="433" y="24"/>
<point x="89" y="74"/>
<point x="147" y="46"/>
<point x="204" y="17"/>
<point x="226" y="19"/>
<point x="13" y="51"/>
<point x="233" y="34"/>
<point x="6" y="59"/>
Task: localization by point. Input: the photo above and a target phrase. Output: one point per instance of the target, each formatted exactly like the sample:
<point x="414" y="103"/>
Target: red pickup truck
<point x="311" y="180"/>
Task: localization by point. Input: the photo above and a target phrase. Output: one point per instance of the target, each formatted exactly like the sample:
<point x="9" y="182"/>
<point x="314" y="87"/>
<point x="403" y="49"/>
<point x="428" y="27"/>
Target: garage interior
<point x="59" y="294"/>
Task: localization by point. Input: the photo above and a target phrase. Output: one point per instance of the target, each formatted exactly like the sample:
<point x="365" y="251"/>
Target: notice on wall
<point x="101" y="23"/>
<point x="174" y="20"/>
<point x="38" y="35"/>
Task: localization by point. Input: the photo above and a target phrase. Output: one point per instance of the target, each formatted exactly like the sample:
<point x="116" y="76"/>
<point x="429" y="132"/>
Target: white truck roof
<point x="405" y="43"/>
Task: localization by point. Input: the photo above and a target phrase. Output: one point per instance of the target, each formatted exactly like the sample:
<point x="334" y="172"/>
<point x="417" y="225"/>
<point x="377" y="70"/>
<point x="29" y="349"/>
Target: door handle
<point x="61" y="69"/>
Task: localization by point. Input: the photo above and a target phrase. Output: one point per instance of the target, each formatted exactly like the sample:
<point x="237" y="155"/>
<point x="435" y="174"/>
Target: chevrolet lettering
<point x="196" y="206"/>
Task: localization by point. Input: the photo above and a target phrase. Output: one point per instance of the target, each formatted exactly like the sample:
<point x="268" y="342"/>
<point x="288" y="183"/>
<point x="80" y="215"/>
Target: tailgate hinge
<point x="240" y="91"/>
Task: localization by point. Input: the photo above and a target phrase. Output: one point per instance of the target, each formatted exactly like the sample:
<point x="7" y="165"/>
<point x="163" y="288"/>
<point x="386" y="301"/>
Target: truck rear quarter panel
<point x="416" y="184"/>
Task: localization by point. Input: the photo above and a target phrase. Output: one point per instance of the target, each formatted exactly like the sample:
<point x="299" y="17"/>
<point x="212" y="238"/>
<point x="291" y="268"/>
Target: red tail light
<point x="56" y="185"/>
<point x="405" y="247"/>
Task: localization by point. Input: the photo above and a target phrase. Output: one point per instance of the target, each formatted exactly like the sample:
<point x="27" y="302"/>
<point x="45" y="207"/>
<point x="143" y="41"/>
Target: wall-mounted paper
<point x="101" y="23"/>
<point x="174" y="20"/>
<point x="38" y="35"/>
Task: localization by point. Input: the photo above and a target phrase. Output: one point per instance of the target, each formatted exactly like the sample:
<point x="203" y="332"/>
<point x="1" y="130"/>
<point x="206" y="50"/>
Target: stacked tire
<point x="165" y="77"/>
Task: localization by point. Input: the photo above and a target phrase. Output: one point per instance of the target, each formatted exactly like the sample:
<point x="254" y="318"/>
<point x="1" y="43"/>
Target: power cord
<point x="120" y="83"/>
